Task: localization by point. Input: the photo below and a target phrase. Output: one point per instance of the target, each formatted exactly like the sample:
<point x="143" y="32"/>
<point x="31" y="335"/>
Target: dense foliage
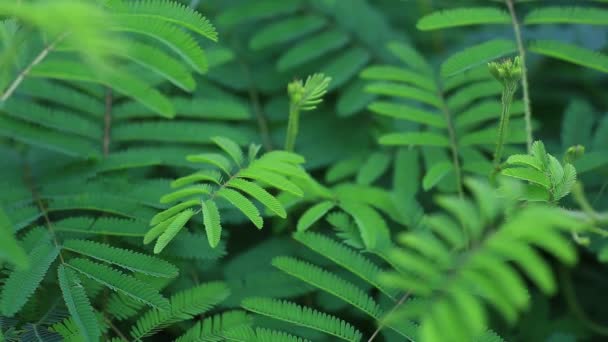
<point x="303" y="170"/>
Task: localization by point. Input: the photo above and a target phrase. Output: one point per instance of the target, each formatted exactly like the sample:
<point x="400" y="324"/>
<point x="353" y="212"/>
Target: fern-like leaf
<point x="184" y="305"/>
<point x="172" y="229"/>
<point x="346" y="257"/>
<point x="248" y="334"/>
<point x="314" y="214"/>
<point x="308" y="94"/>
<point x="567" y="15"/>
<point x="260" y="194"/>
<point x="124" y="258"/>
<point x="477" y="55"/>
<point x="463" y="17"/>
<point x="328" y="282"/>
<point x="303" y="316"/>
<point x="243" y="204"/>
<point x="212" y="222"/>
<point x="214" y="328"/>
<point x="172" y="12"/>
<point x="10" y="249"/>
<point x="120" y="282"/>
<point x="78" y="304"/>
<point x="571" y="53"/>
<point x="21" y="284"/>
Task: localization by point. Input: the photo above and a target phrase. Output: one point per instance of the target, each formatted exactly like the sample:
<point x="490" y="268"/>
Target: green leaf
<point x="328" y="282"/>
<point x="303" y="316"/>
<point x="414" y="139"/>
<point x="133" y="261"/>
<point x="212" y="222"/>
<point x="407" y="112"/>
<point x="477" y="55"/>
<point x="404" y="91"/>
<point x="195" y="190"/>
<point x="172" y="12"/>
<point x="530" y="175"/>
<point x="571" y="53"/>
<point x="525" y="160"/>
<point x="312" y="48"/>
<point x="172" y="229"/>
<point x="21" y="284"/>
<point x="372" y="227"/>
<point x="120" y="282"/>
<point x="392" y="73"/>
<point x="567" y="15"/>
<point x="215" y="327"/>
<point x="435" y="174"/>
<point x="314" y="214"/>
<point x="373" y="168"/>
<point x="214" y="159"/>
<point x="184" y="305"/>
<point x="260" y="194"/>
<point x="243" y="204"/>
<point x="350" y="259"/>
<point x="169" y="213"/>
<point x="181" y="42"/>
<point x="285" y="31"/>
<point x="231" y="148"/>
<point x="10" y="249"/>
<point x="78" y="304"/>
<point x="120" y="80"/>
<point x="204" y="175"/>
<point x="463" y="17"/>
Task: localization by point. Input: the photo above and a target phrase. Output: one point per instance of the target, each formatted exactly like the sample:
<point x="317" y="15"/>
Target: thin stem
<point x="453" y="145"/>
<point x="41" y="56"/>
<point x="382" y="324"/>
<point x="524" y="75"/>
<point x="578" y="193"/>
<point x="257" y="108"/>
<point x="292" y="128"/>
<point x="107" y="120"/>
<point x="503" y="128"/>
<point x="115" y="329"/>
<point x="578" y="311"/>
<point x="27" y="177"/>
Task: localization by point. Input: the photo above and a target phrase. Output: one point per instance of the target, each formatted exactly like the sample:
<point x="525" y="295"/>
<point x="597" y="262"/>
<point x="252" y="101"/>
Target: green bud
<point x="574" y="153"/>
<point x="507" y="72"/>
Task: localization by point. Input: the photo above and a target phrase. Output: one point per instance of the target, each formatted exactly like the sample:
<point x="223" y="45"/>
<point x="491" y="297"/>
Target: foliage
<point x="422" y="171"/>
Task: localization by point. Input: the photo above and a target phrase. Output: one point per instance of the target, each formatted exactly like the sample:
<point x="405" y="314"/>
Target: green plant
<point x="141" y="141"/>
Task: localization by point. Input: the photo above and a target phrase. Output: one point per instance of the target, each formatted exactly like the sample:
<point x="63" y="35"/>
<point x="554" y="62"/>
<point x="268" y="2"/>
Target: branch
<point x="524" y="75"/>
<point x="453" y="144"/>
<point x="399" y="303"/>
<point x="257" y="108"/>
<point x="41" y="56"/>
<point x="107" y="120"/>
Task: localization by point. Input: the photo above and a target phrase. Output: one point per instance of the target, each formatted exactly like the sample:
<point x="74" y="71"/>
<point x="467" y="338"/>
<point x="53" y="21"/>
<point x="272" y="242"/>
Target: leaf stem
<point x="41" y="56"/>
<point x="453" y="144"/>
<point x="292" y="127"/>
<point x="395" y="307"/>
<point x="570" y="296"/>
<point x="107" y="122"/>
<point x="254" y="98"/>
<point x="524" y="75"/>
<point x="503" y="128"/>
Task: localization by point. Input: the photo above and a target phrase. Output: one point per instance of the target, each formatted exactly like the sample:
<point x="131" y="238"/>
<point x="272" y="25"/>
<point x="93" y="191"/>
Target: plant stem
<point x="107" y="123"/>
<point x="570" y="296"/>
<point x="453" y="145"/>
<point x="524" y="75"/>
<point x="41" y="56"/>
<point x="292" y="128"/>
<point x="503" y="128"/>
<point x="257" y="108"/>
<point x="381" y="325"/>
